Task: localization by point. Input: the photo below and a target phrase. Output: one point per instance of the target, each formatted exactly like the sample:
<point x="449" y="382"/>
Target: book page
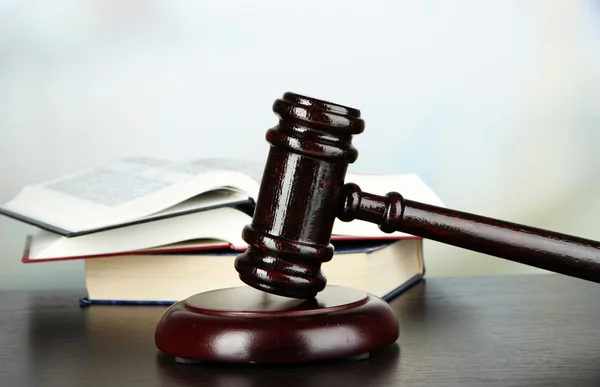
<point x="224" y="224"/>
<point x="123" y="191"/>
<point x="248" y="168"/>
<point x="216" y="198"/>
<point x="120" y="182"/>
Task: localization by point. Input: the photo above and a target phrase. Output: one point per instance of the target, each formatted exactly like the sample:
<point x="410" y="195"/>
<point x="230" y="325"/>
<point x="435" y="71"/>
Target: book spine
<point x="85" y="301"/>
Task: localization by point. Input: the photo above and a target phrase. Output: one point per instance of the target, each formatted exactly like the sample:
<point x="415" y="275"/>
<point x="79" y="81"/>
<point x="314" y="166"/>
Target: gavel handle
<point x="559" y="253"/>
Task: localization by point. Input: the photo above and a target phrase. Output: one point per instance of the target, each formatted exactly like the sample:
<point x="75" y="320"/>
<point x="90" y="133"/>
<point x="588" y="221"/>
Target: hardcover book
<point x="384" y="268"/>
<point x="141" y="203"/>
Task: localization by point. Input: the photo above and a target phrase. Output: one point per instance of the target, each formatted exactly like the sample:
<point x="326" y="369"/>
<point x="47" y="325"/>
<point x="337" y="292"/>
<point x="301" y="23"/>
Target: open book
<point x="146" y="203"/>
<point x="132" y="191"/>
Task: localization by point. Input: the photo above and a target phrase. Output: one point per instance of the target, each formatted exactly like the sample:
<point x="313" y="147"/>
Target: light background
<point x="495" y="104"/>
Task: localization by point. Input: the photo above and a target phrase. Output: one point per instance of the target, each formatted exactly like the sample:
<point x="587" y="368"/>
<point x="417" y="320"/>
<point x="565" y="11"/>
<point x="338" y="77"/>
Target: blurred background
<point x="495" y="104"/>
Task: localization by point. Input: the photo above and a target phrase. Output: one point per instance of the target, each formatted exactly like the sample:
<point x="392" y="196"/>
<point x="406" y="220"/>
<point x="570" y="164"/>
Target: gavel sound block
<point x="286" y="312"/>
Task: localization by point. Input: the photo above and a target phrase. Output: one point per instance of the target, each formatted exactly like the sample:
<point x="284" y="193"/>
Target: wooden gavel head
<point x="289" y="236"/>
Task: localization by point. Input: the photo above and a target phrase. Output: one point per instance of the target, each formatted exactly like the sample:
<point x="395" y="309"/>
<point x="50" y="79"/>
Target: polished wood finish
<point x="245" y="325"/>
<point x="289" y="237"/>
<point x="301" y="195"/>
<point x="535" y="330"/>
<point x="560" y="253"/>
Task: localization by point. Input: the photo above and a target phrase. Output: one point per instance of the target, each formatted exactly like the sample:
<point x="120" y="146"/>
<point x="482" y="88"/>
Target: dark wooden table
<point x="495" y="331"/>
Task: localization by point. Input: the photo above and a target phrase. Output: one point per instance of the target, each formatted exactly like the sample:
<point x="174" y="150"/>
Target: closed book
<point x="383" y="268"/>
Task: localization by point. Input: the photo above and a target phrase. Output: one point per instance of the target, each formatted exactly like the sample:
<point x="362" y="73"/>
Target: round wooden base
<point x="245" y="325"/>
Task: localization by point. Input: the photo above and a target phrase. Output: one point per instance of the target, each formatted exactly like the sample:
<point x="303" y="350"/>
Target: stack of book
<point x="154" y="231"/>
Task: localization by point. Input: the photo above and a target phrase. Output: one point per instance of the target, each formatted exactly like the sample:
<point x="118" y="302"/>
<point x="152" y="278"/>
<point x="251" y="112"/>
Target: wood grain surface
<point x="533" y="330"/>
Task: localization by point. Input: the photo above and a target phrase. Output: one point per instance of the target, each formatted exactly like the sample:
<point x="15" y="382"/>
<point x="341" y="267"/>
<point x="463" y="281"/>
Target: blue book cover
<point x="85" y="301"/>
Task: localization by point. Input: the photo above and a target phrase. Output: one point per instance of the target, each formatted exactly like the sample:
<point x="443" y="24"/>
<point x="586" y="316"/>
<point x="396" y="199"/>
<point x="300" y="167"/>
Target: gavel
<point x="285" y="311"/>
<point x="303" y="191"/>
